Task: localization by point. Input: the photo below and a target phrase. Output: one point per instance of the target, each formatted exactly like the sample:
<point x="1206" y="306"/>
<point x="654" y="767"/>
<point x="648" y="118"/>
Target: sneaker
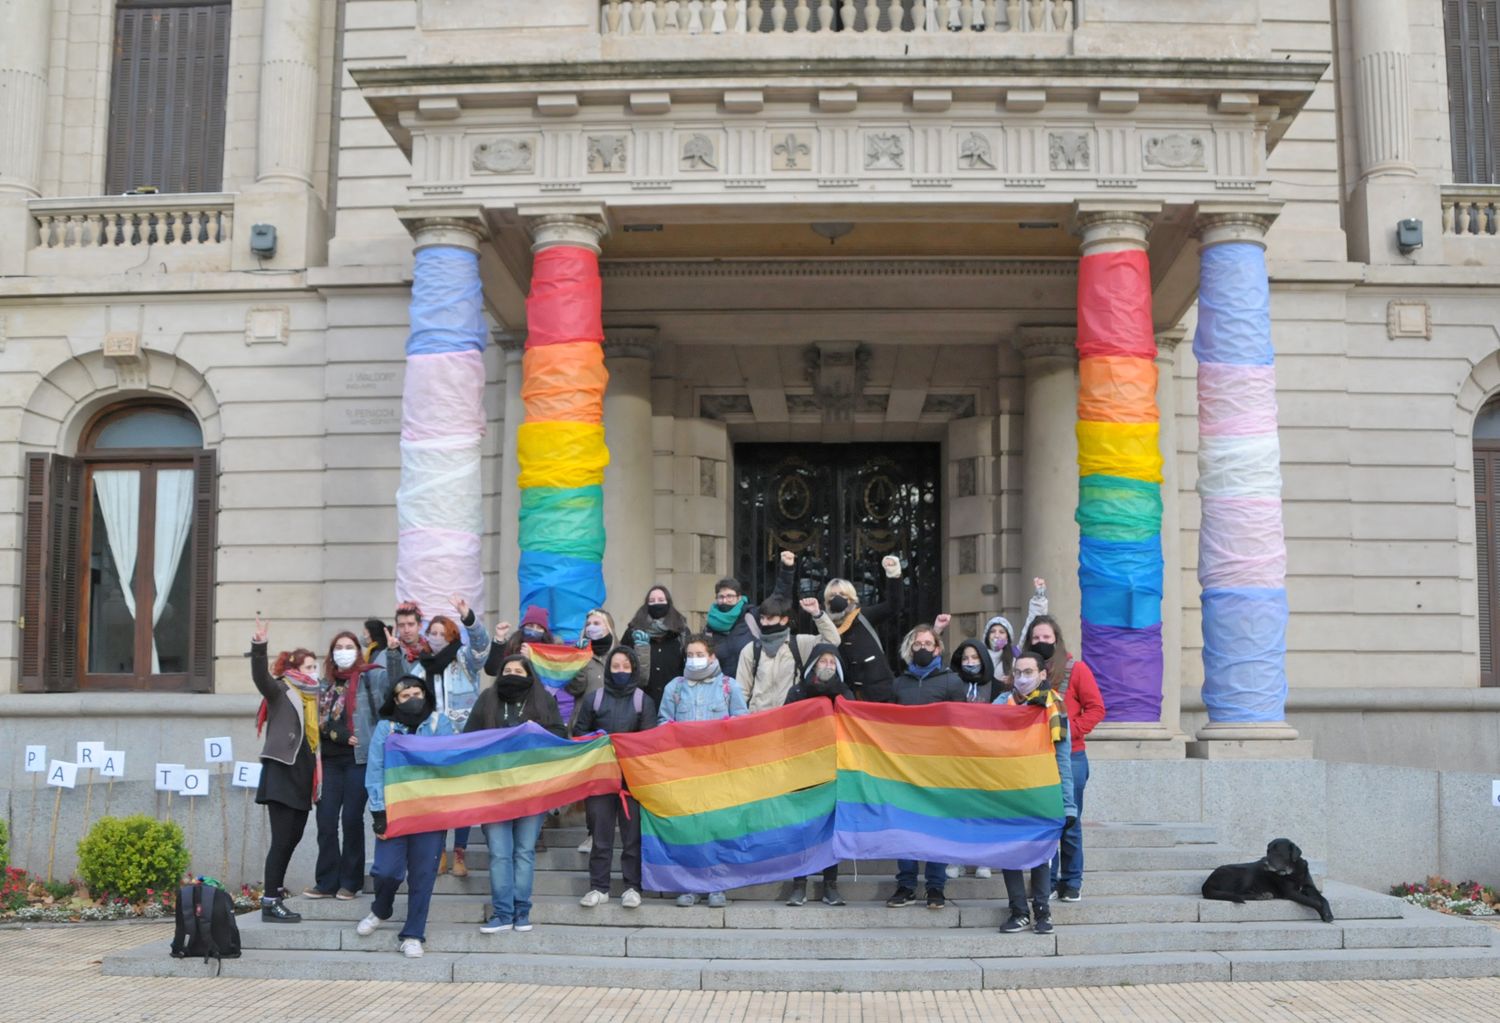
<point x="631" y="899"/>
<point x="587" y="845"/>
<point x="411" y="948"/>
<point x="1016" y="924"/>
<point x="1070" y="895"/>
<point x="717" y="900"/>
<point x="523" y="923"/>
<point x="275" y="912"/>
<point x="593" y="898"/>
<point x="799" y="893"/>
<point x="346" y="895"/>
<point x="494" y="925"/>
<point x="953" y="870"/>
<point x="1056" y="893"/>
<point x="1043" y="924"/>
<point x="460" y="867"/>
<point x="903" y="897"/>
<point x="367" y="926"/>
<point x="831" y="896"/>
<point x="687" y="900"/>
<point x="935" y="899"/>
<point x="310" y="892"/>
<point x="982" y="872"/>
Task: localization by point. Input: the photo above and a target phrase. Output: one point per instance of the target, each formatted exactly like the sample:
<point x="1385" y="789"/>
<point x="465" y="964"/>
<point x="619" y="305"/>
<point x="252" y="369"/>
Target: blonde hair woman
<point x="868" y="669"/>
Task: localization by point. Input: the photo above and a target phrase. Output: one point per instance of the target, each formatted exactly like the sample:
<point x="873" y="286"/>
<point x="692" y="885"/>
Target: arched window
<point x="121" y="541"/>
<point x="1487" y="546"/>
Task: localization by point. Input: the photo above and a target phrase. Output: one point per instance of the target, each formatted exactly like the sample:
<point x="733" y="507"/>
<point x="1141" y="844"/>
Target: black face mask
<point x="512" y="687"/>
<point x="411" y="712"/>
<point x="921" y="658"/>
<point x="601" y="645"/>
<point x="1044" y="650"/>
<point x="620" y="681"/>
<point x="838" y="605"/>
<point x="657" y="611"/>
<point x="773" y="630"/>
<point x="727" y="605"/>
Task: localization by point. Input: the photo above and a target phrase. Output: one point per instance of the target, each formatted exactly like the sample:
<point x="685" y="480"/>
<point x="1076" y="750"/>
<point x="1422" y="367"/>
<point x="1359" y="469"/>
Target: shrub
<point x="13" y="889"/>
<point x="4" y="845"/>
<point x="125" y="856"/>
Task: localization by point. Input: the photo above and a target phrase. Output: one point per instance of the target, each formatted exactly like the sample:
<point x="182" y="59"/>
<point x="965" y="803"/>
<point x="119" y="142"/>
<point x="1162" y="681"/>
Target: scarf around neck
<point x="336" y="700"/>
<point x="847" y="621"/>
<point x="309" y="690"/>
<point x="415" y="651"/>
<point x="922" y="673"/>
<point x="1045" y="697"/>
<point x="707" y="673"/>
<point x="722" y="621"/>
<point x="435" y="664"/>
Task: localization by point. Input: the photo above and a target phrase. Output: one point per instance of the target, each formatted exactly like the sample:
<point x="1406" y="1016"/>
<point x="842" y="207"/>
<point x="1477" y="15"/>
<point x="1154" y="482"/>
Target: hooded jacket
<point x="983" y="688"/>
<point x="941" y="686"/>
<point x="808" y="686"/>
<point x="616" y="707"/>
<point x="494" y="710"/>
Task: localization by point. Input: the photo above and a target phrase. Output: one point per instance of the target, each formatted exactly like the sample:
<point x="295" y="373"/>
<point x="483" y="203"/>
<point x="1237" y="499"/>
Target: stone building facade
<point x="817" y="230"/>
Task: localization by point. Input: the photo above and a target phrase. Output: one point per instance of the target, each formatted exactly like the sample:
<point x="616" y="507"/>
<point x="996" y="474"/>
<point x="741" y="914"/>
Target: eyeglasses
<point x="1028" y="674"/>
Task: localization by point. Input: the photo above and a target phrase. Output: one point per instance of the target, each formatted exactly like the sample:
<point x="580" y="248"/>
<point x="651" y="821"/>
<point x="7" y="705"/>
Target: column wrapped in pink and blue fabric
<point x="1119" y="484"/>
<point x="439" y="505"/>
<point x="1241" y="545"/>
<point x="560" y="450"/>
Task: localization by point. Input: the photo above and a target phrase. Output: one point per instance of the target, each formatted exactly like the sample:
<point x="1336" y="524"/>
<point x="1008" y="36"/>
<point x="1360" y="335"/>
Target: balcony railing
<point x="813" y="17"/>
<point x="134" y="221"/>
<point x="1471" y="209"/>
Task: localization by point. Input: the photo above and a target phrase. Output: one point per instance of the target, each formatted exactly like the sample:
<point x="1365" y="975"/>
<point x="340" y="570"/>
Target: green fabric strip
<point x="1117" y="508"/>
<point x="563" y="520"/>
<point x="858" y="787"/>
<point x="483" y="765"/>
<point x="745" y="819"/>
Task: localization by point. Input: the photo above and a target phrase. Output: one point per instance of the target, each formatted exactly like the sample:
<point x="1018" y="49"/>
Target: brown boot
<point x="460" y="868"/>
<point x="443" y="863"/>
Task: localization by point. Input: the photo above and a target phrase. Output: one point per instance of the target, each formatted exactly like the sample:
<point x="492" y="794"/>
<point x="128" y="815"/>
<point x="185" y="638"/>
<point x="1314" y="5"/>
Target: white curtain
<point x="174" y="520"/>
<point x="118" y="493"/>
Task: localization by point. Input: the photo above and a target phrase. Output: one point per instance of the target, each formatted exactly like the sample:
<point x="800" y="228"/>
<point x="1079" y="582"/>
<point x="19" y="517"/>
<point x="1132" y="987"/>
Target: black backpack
<point x="205" y="924"/>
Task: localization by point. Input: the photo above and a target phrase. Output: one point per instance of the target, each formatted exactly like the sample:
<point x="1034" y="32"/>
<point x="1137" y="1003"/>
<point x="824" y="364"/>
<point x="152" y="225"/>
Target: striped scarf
<point x="1057" y="714"/>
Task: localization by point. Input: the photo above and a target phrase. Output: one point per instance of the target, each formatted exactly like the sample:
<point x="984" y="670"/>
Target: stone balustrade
<point x="196" y="221"/>
<point x="1471" y="209"/>
<point x="813" y="17"/>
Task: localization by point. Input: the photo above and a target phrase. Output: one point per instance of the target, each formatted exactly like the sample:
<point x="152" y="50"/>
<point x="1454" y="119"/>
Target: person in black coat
<point x="659" y="633"/>
<point x="972" y="663"/>
<point x="620" y="706"/>
<point x="733" y="621"/>
<point x="868" y="673"/>
<point x="822" y="679"/>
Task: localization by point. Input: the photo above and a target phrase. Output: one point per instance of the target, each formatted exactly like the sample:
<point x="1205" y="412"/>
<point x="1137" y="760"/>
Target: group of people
<point x="326" y="722"/>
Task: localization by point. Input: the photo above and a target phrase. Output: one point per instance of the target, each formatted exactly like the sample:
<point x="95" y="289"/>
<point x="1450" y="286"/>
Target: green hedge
<point x="125" y="856"/>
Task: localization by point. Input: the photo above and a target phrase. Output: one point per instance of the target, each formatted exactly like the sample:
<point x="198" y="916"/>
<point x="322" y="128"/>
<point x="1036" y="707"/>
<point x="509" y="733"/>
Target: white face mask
<point x="312" y="672"/>
<point x="697" y="663"/>
<point x="344" y="658"/>
<point x="595" y="630"/>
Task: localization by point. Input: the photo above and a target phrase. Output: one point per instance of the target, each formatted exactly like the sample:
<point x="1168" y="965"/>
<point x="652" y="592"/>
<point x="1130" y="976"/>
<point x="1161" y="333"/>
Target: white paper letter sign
<point x="113" y="764"/>
<point x="169" y="777"/>
<point x="36" y="759"/>
<point x="90" y="755"/>
<point x="218" y="751"/>
<point x="61" y="775"/>
<point x="246" y="774"/>
<point x="194" y="783"/>
<point x="1494" y="792"/>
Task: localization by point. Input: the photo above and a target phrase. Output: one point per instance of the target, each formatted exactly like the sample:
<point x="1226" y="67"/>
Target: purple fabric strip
<point x="1127" y="663"/>
<point x="900" y="844"/>
<point x="669" y="877"/>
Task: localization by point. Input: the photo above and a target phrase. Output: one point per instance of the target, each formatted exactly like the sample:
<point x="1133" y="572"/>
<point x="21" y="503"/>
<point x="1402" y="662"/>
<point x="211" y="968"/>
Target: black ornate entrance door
<point x="841" y="508"/>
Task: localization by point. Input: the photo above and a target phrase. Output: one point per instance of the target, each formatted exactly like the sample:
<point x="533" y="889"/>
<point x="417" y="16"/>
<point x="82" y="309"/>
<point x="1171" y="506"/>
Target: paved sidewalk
<point x="52" y="976"/>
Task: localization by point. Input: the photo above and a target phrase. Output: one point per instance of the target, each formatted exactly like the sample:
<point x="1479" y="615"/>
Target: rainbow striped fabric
<point x="1119" y="484"/>
<point x="742" y="801"/>
<point x="951" y="782"/>
<point x="557" y="663"/>
<point x="434" y="783"/>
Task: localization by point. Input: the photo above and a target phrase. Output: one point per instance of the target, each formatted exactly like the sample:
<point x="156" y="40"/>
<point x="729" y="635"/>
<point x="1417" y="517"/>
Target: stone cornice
<point x="630" y="342"/>
<point x="1046" y="342"/>
<point x="699" y="268"/>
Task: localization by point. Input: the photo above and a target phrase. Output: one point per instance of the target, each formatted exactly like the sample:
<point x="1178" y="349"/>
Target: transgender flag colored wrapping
<point x="560" y="450"/>
<point x="1241" y="544"/>
<point x="1119" y="484"/>
<point x="439" y="505"/>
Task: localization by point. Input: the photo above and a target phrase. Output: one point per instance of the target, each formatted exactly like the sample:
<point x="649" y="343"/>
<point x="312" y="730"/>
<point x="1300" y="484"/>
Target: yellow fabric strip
<point x="560" y="454"/>
<point x="986" y="773"/>
<point x="1119" y="449"/>
<point x="734" y="788"/>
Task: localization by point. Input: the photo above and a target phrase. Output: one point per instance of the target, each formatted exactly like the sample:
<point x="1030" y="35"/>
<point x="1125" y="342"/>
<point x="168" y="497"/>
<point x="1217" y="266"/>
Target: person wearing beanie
<point x="822" y="679"/>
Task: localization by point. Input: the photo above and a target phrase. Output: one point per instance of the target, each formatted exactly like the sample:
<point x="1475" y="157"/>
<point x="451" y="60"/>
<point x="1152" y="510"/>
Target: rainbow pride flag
<point x="438" y="782"/>
<point x="557" y="663"/>
<point x="742" y="801"/>
<point x="951" y="782"/>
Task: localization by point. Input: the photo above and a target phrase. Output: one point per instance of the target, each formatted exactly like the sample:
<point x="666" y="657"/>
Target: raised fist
<point x="892" y="565"/>
<point x="811" y="606"/>
<point x="502" y="631"/>
<point x="1039" y="585"/>
<point x="941" y="622"/>
<point x="788" y="558"/>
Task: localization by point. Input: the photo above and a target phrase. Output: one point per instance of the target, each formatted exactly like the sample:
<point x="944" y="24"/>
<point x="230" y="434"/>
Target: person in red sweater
<point x="1085" y="710"/>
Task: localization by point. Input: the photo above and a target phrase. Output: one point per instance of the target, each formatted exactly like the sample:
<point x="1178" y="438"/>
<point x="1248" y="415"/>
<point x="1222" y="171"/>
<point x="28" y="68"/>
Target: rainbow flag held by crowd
<point x="434" y="783"/>
<point x="743" y="801"/>
<point x="557" y="663"/>
<point x="952" y="782"/>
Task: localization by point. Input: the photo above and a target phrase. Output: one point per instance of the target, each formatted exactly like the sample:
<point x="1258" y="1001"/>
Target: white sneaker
<point x="592" y="898"/>
<point x="587" y="845"/>
<point x="981" y="871"/>
<point x="631" y="899"/>
<point x="411" y="948"/>
<point x="953" y="870"/>
<point x="366" y="927"/>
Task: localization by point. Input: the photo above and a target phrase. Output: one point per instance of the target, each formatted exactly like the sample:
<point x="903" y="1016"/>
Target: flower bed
<point x="1466" y="898"/>
<point x="28" y="899"/>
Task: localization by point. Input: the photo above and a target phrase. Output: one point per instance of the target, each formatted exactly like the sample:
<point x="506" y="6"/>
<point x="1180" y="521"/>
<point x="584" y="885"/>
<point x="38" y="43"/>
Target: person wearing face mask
<point x="659" y="633"/>
<point x="822" y="679"/>
<point x="1031" y="689"/>
<point x="733" y="621"/>
<point x="514" y="698"/>
<point x="289" y="759"/>
<point x="353" y="690"/>
<point x="702" y="693"/>
<point x="598" y="636"/>
<point x="869" y="671"/>
<point x="770" y="664"/>
<point x="1085" y="709"/>
<point x="617" y="706"/>
<point x="971" y="663"/>
<point x="410" y="710"/>
<point x="924" y="681"/>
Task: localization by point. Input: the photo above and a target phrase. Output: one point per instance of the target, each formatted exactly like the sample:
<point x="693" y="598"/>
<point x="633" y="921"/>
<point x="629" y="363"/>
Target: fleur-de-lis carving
<point x="791" y="149"/>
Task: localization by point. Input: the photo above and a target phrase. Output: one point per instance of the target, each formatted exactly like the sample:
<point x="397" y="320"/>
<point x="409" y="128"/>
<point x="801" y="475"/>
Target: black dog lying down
<point x="1281" y="874"/>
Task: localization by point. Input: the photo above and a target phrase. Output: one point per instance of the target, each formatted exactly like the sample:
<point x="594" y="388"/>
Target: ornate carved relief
<point x="504" y="156"/>
<point x="975" y="152"/>
<point x="792" y="151"/>
<point x="950" y="406"/>
<point x="1174" y="151"/>
<point x="606" y="154"/>
<point x="838" y="372"/>
<point x="724" y="406"/>
<point x="1068" y="150"/>
<point x="885" y="151"/>
<point x="700" y="152"/>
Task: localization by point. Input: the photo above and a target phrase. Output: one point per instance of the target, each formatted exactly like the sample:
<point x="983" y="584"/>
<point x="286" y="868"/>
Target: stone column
<point x="1049" y="473"/>
<point x="288" y="93"/>
<point x="512" y="343"/>
<point x="1171" y="533"/>
<point x="1241" y="550"/>
<point x="24" y="52"/>
<point x="629" y="489"/>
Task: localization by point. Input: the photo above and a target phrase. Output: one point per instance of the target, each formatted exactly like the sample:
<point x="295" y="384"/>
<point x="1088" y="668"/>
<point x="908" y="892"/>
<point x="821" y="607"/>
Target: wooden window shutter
<point x="51" y="534"/>
<point x="168" y="90"/>
<point x="1472" y="54"/>
<point x="204" y="543"/>
<point x="34" y="573"/>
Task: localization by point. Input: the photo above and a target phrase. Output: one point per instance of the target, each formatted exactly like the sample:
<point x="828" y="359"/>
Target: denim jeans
<point x="414" y="858"/>
<point x="460" y="838"/>
<point x="1067" y="865"/>
<point x="342" y="803"/>
<point x="906" y="874"/>
<point x="512" y="866"/>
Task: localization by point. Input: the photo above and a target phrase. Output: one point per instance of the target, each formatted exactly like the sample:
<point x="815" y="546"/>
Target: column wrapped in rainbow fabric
<point x="439" y="506"/>
<point x="560" y="451"/>
<point x="1119" y="484"/>
<point x="1241" y="546"/>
